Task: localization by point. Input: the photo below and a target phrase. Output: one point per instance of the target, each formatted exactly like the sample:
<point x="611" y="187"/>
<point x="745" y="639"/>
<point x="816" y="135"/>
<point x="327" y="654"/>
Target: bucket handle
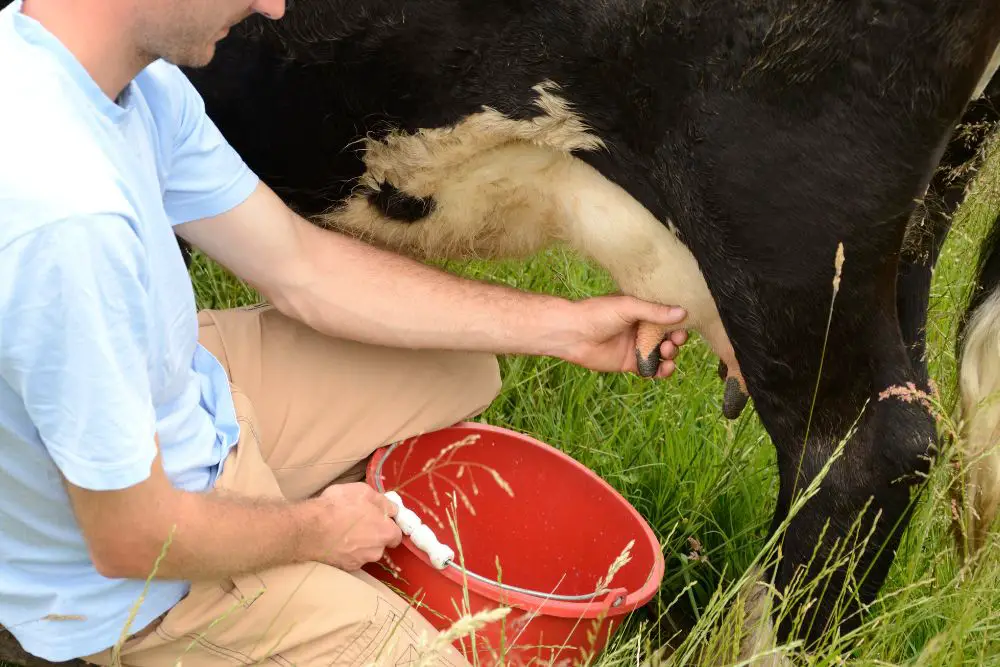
<point x="421" y="534"/>
<point x="442" y="556"/>
<point x="616" y="597"/>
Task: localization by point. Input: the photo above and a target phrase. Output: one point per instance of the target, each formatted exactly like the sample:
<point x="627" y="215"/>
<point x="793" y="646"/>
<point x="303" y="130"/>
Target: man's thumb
<point x="657" y="313"/>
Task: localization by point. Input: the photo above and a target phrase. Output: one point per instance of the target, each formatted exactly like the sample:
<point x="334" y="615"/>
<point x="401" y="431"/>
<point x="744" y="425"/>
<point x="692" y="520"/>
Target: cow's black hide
<point x="767" y="131"/>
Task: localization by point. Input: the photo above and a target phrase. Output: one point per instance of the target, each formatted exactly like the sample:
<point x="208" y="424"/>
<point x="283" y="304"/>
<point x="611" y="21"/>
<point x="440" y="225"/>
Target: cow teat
<point x="735" y="396"/>
<point x="647" y="350"/>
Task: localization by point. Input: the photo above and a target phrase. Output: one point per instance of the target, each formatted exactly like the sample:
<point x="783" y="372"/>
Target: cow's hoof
<point x="734" y="399"/>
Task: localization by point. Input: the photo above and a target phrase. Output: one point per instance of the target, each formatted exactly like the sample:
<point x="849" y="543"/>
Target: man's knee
<point x="475" y="375"/>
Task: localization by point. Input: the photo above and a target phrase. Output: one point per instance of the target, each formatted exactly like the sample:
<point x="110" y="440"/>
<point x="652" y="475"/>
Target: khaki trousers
<point x="311" y="409"/>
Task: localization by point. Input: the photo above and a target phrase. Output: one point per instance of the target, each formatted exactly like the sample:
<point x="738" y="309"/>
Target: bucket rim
<point x="617" y="601"/>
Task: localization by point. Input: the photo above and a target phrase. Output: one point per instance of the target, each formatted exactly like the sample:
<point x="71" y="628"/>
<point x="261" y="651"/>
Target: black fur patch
<point x="396" y="204"/>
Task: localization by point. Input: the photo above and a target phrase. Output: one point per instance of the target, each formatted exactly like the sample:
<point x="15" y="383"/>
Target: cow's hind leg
<point x="434" y="199"/>
<point x="979" y="412"/>
<point x="931" y="223"/>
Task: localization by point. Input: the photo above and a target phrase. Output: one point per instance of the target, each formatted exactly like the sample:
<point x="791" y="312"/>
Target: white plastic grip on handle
<point x="422" y="536"/>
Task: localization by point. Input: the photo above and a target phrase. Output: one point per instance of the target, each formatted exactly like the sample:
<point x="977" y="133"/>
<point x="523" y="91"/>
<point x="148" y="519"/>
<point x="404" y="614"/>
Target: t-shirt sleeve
<point x="205" y="174"/>
<point x="74" y="346"/>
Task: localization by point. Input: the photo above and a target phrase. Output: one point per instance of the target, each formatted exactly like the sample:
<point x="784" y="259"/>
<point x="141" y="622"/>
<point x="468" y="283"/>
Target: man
<point x="219" y="452"/>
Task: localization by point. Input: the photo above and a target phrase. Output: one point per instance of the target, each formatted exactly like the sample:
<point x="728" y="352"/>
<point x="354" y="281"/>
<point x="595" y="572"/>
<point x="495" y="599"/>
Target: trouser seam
<point x="221" y="651"/>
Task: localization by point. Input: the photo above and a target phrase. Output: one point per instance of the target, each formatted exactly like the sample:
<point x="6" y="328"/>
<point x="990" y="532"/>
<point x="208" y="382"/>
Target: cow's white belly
<point x="504" y="188"/>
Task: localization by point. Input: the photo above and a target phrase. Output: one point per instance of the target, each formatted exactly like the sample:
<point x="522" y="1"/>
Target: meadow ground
<point x="692" y="474"/>
<point x="696" y="476"/>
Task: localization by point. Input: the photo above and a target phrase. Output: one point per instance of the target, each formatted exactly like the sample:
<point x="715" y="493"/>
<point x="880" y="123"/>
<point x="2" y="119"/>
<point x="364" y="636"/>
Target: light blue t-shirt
<point x="98" y="328"/>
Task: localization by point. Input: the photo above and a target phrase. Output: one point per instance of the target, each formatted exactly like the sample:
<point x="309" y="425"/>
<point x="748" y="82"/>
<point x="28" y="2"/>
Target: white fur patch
<point x="505" y="188"/>
<point x="991" y="69"/>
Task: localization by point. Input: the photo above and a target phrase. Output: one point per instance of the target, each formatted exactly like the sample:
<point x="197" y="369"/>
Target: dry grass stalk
<point x="116" y="657"/>
<point x="445" y="458"/>
<point x="623" y="559"/>
<point x="430" y="651"/>
<point x="449" y="449"/>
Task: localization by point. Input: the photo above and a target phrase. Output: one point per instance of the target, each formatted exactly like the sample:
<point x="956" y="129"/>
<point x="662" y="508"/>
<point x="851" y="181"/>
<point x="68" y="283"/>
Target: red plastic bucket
<point x="555" y="529"/>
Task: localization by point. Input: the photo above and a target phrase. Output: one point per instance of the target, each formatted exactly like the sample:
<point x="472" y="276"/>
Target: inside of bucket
<point x="552" y="527"/>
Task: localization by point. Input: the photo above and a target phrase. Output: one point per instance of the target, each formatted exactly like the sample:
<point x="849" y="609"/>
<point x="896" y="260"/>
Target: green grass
<point x="693" y="474"/>
<point x="666" y="447"/>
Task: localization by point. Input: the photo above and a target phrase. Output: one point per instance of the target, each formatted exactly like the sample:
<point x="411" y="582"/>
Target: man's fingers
<point x="391" y="510"/>
<point x="667" y="369"/>
<point x="394" y="536"/>
<point x="656" y="313"/>
<point x="387" y="506"/>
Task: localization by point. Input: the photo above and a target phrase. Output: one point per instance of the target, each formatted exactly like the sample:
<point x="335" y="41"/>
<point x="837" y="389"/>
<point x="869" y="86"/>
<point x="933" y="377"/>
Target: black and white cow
<point x="713" y="154"/>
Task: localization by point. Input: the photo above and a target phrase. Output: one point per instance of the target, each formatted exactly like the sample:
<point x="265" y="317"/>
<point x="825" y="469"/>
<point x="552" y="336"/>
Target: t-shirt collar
<point x="35" y="33"/>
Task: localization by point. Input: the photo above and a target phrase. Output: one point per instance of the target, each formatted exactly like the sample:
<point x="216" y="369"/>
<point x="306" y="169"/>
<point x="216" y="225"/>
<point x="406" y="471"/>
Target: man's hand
<point x="603" y="335"/>
<point x="356" y="526"/>
<point x="227" y="534"/>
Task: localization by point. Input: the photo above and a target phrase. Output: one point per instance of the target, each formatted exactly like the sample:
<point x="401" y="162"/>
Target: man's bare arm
<point x="347" y="288"/>
<point x="214" y="534"/>
<point x="344" y="288"/>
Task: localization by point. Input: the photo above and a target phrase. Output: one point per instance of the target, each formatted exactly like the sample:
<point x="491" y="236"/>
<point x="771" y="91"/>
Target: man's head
<point x="185" y="32"/>
<point x="115" y="39"/>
